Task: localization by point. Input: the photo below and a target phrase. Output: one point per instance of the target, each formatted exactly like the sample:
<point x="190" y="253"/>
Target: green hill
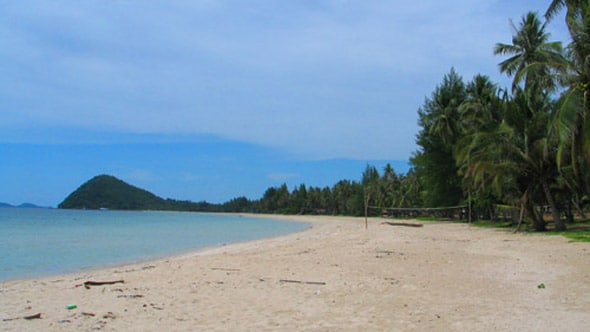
<point x="105" y="191"/>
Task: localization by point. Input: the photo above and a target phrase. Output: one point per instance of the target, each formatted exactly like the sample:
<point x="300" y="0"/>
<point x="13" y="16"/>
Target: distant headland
<point x="109" y="192"/>
<point x="22" y="206"/>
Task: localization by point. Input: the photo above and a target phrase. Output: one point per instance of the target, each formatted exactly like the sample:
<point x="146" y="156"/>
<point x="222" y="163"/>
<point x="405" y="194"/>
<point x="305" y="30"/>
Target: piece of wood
<point x="390" y="223"/>
<point x="29" y="317"/>
<point x="303" y="282"/>
<point x="89" y="283"/>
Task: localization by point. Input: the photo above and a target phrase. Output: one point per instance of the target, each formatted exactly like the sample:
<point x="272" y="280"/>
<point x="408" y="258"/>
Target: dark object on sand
<point x="390" y="223"/>
<point x="89" y="283"/>
<point x="303" y="282"/>
<point x="30" y="317"/>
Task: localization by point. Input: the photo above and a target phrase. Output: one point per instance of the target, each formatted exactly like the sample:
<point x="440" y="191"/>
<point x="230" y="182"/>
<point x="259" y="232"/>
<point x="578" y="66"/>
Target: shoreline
<point x="151" y="256"/>
<point x="207" y="250"/>
<point x="333" y="276"/>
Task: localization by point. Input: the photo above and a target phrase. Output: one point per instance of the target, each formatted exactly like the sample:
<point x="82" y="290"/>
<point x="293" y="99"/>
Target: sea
<point x="45" y="242"/>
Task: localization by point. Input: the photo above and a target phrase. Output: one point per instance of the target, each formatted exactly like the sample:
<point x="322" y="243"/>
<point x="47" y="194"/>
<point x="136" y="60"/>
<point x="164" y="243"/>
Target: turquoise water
<point x="43" y="242"/>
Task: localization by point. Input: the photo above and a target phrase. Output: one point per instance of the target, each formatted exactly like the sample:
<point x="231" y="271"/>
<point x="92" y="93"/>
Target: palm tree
<point x="574" y="7"/>
<point x="410" y="190"/>
<point x="537" y="63"/>
<point x="572" y="121"/>
<point x="516" y="158"/>
<point x="532" y="58"/>
<point x="482" y="107"/>
<point x="480" y="113"/>
<point x="389" y="187"/>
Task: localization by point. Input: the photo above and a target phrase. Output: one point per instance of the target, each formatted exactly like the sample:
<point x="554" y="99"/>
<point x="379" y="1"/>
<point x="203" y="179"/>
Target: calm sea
<point x="43" y="242"/>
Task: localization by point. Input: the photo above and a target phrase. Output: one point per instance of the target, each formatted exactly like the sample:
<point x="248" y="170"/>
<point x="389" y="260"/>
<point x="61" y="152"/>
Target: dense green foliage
<point x="345" y="197"/>
<point x="434" y="163"/>
<point x="528" y="147"/>
<point x="105" y="191"/>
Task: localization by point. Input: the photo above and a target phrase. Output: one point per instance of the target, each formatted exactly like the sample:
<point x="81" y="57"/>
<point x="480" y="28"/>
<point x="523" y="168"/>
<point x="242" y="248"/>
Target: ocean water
<point x="44" y="242"/>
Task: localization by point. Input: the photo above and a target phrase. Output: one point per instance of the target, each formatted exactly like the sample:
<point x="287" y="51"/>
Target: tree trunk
<point x="578" y="208"/>
<point x="538" y="222"/>
<point x="520" y="217"/>
<point x="559" y="224"/>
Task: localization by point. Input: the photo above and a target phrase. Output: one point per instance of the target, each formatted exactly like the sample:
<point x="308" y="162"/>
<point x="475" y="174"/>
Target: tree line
<point x="526" y="146"/>
<point x="346" y="197"/>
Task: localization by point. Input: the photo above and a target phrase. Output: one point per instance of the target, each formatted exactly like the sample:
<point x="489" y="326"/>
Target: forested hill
<point x="105" y="191"/>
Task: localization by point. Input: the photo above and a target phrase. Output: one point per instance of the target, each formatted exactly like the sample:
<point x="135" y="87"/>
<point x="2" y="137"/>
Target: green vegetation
<point x="490" y="224"/>
<point x="578" y="232"/>
<point x="527" y="147"/>
<point x="577" y="236"/>
<point x="105" y="191"/>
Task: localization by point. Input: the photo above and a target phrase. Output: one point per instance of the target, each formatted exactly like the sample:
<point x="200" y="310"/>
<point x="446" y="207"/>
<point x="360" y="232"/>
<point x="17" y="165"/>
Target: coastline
<point x="334" y="276"/>
<point x="152" y="238"/>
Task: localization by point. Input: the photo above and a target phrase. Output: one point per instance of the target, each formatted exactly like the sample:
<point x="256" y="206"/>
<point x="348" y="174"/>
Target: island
<point x="106" y="192"/>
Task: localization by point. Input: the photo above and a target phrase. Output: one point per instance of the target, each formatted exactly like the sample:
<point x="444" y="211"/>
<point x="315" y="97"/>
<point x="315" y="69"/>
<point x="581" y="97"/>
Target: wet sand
<point x="336" y="276"/>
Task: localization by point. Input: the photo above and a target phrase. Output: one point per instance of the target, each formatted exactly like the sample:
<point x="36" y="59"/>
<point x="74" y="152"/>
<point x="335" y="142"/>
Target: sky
<point x="216" y="99"/>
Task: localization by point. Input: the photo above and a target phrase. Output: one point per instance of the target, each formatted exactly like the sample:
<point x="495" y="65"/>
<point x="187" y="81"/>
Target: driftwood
<point x="390" y="223"/>
<point x="30" y="317"/>
<point x="89" y="283"/>
<point x="303" y="282"/>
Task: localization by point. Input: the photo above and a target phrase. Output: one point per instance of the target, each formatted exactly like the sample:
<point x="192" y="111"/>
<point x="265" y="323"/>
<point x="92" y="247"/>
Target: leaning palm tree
<point x="532" y="57"/>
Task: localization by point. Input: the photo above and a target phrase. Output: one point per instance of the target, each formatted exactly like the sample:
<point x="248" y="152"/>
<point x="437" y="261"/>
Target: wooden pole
<point x="469" y="208"/>
<point x="366" y="201"/>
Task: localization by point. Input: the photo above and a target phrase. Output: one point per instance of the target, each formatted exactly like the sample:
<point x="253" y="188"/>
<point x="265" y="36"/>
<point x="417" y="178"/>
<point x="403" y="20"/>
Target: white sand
<point x="441" y="277"/>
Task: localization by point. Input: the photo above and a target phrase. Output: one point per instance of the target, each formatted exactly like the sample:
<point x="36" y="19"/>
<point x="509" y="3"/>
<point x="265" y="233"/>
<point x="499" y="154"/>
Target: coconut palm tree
<point x="480" y="113"/>
<point x="516" y="158"/>
<point x="573" y="7"/>
<point x="572" y="121"/>
<point x="532" y="58"/>
<point x="390" y="184"/>
<point x="482" y="107"/>
<point x="538" y="63"/>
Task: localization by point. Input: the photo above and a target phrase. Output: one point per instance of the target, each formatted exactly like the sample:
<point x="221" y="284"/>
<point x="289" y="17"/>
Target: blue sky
<point x="213" y="99"/>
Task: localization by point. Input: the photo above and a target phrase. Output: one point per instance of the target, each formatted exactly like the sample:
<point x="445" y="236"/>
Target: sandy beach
<point x="337" y="276"/>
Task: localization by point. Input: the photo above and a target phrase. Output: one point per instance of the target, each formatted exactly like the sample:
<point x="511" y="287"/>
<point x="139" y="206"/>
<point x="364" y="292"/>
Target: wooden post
<point x="469" y="206"/>
<point x="366" y="201"/>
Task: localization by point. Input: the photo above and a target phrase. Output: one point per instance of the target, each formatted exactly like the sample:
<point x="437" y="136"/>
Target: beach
<point x="336" y="276"/>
